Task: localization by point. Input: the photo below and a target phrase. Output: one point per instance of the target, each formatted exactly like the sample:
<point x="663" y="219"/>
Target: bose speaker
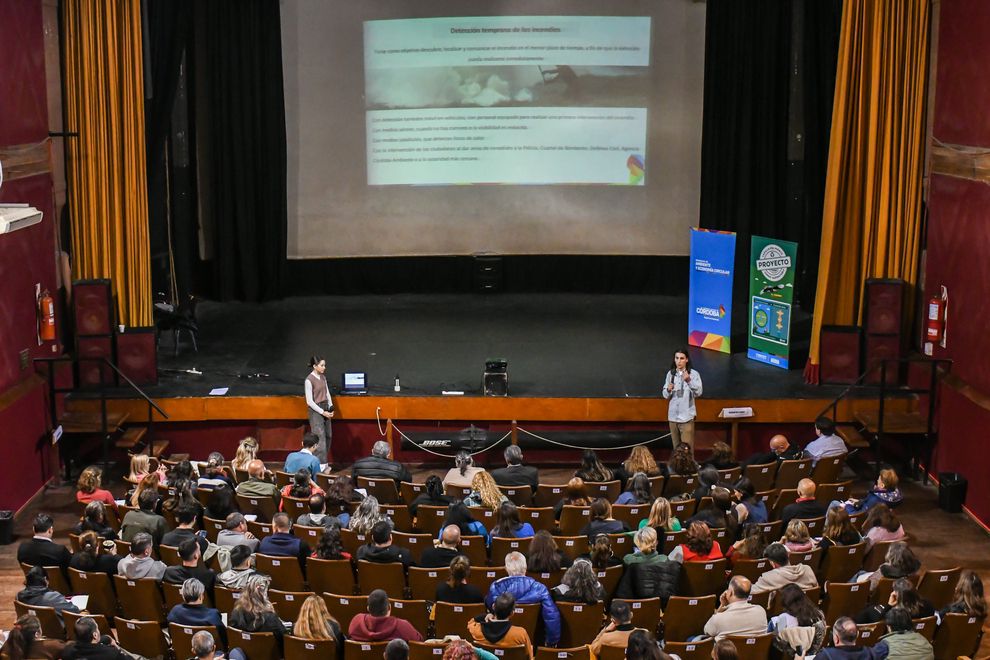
<point x="89" y="350"/>
<point x="839" y="354"/>
<point x="884" y="306"/>
<point x="137" y="356"/>
<point x="92" y="303"/>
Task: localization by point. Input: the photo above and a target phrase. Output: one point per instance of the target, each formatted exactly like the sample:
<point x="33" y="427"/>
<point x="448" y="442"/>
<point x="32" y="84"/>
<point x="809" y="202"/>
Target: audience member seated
<point x="241" y="569"/>
<point x="185" y="519"/>
<point x="783" y="572"/>
<point x="801" y="625"/>
<point x="89" y="557"/>
<point x="444" y="553"/>
<point x="496" y="628"/>
<point x="40" y="549"/>
<point x="600" y="553"/>
<point x="247" y="451"/>
<point x="192" y="612"/>
<point x="838" y="530"/>
<point x="708" y="480"/>
<point x="881" y="525"/>
<point x="579" y="585"/>
<point x="827" y="443"/>
<point x="485" y="493"/>
<point x="525" y="589"/>
<point x="26" y="641"/>
<point x="380" y="466"/>
<point x="456" y="588"/>
<point x="91" y="645"/>
<point x="661" y="517"/>
<point x="750" y="507"/>
<point x="640" y="460"/>
<point x="543" y="555"/>
<point x="750" y="546"/>
<point x="253" y="612"/>
<point x="575" y="494"/>
<point x="780" y="450"/>
<point x="398" y="649"/>
<point x="462" y="474"/>
<point x="204" y="647"/>
<point x="592" y="469"/>
<point x="282" y="542"/>
<point x="968" y="597"/>
<point x="184" y="496"/>
<point x="899" y="562"/>
<point x="89" y="488"/>
<point x="902" y="594"/>
<point x="330" y="546"/>
<point x="433" y="495"/>
<point x="698" y="546"/>
<point x="381" y="550"/>
<point x="141" y="468"/>
<point x="95" y="520"/>
<point x="221" y="503"/>
<point x="735" y="614"/>
<point x="805" y="506"/>
<point x="317" y="624"/>
<point x="150" y="482"/>
<point x="682" y="461"/>
<point x="616" y="631"/>
<point x="902" y="640"/>
<point x="460" y="515"/>
<point x="721" y="514"/>
<point x="190" y="567"/>
<point x="317" y="516"/>
<point x="144" y="520"/>
<point x="36" y="592"/>
<point x="301" y="488"/>
<point x="885" y="491"/>
<point x="638" y="490"/>
<point x="214" y="473"/>
<point x="845" y="636"/>
<point x="722" y="457"/>
<point x="304" y="458"/>
<point x="139" y="563"/>
<point x="378" y="624"/>
<point x="256" y="485"/>
<point x="649" y="573"/>
<point x="507" y="522"/>
<point x="340" y="496"/>
<point x="644" y="646"/>
<point x="366" y="516"/>
<point x="235" y="532"/>
<point x="602" y="521"/>
<point x="182" y="471"/>
<point x="515" y="473"/>
<point x="796" y="537"/>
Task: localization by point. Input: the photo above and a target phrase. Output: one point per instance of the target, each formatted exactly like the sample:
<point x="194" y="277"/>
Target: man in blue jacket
<point x="527" y="590"/>
<point x="304" y="459"/>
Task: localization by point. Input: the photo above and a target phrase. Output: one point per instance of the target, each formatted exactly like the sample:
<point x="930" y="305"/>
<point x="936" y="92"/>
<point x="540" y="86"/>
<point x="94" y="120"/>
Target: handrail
<point x="134" y="387"/>
<point x="881" y="365"/>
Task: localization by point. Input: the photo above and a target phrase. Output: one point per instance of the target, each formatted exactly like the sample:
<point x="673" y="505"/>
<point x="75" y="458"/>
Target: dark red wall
<point x="26" y="256"/>
<point x="959" y="242"/>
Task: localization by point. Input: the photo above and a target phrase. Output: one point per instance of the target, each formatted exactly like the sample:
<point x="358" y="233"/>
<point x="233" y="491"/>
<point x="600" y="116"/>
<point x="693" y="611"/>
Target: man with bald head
<point x="805" y="506"/>
<point x="443" y="554"/>
<point x="780" y="450"/>
<point x="735" y="614"/>
<point x="256" y="486"/>
<point x="844" y="636"/>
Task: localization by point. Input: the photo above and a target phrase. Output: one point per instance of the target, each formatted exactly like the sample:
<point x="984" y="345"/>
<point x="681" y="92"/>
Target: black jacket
<point x="462" y="593"/>
<point x="81" y="651"/>
<point x="424" y="498"/>
<point x="385" y="555"/>
<point x="374" y="467"/>
<point x="802" y="510"/>
<point x="38" y="552"/>
<point x="649" y="580"/>
<point x="437" y="557"/>
<point x="517" y="475"/>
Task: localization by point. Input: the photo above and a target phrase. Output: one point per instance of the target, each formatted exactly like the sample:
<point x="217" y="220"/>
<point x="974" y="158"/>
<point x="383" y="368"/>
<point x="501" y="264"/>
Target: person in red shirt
<point x="89" y="488"/>
<point x="378" y="624"/>
<point x="699" y="545"/>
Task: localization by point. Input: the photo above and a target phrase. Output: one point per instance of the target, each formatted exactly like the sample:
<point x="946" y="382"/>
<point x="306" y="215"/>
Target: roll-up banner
<point x="713" y="256"/>
<point x="771" y="293"/>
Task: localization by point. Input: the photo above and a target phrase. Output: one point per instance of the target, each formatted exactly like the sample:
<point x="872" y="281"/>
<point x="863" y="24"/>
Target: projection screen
<point x="451" y="128"/>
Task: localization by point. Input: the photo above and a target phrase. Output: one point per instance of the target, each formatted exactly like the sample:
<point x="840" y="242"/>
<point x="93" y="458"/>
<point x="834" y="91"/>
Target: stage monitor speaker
<point x="839" y="353"/>
<point x="92" y="303"/>
<point x="137" y="356"/>
<point x="882" y="347"/>
<point x="884" y="306"/>
<point x="88" y="352"/>
<point x="496" y="378"/>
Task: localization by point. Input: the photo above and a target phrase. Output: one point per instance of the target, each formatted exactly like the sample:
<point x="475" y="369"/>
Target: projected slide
<point x="526" y="100"/>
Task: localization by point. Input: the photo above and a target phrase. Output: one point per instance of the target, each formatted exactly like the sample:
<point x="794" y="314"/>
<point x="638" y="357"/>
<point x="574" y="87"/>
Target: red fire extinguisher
<point x="937" y="312"/>
<point x="46" y="317"/>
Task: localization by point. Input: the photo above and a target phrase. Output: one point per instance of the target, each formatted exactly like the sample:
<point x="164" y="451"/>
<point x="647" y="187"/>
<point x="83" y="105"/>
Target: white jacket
<point x="681" y="407"/>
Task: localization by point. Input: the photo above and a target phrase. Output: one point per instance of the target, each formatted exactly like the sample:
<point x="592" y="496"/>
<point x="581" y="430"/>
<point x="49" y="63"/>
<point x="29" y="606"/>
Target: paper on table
<point x="219" y="391"/>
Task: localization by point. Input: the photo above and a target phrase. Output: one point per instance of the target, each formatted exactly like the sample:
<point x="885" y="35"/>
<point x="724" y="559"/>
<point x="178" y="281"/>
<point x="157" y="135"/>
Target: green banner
<point x="771" y="291"/>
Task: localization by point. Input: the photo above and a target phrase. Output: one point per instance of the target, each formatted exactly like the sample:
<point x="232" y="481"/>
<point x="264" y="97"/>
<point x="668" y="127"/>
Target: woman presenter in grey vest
<point x="681" y="387"/>
<point x="320" y="407"/>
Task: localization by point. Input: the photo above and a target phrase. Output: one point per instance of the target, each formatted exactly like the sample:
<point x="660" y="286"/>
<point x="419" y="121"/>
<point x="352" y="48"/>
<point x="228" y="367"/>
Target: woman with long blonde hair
<point x="247" y="451"/>
<point x="140" y="467"/>
<point x="367" y="515"/>
<point x="253" y="612"/>
<point x="641" y="460"/>
<point x="316" y="623"/>
<point x="661" y="517"/>
<point x="485" y="492"/>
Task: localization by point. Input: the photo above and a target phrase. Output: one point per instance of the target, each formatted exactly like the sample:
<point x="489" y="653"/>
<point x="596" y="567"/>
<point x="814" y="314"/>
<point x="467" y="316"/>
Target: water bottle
<point x="398" y="388"/>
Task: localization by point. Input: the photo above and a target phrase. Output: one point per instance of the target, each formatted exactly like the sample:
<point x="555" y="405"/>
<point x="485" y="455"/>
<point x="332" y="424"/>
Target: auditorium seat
<point x="609" y="579"/>
<point x="260" y="528"/>
<point x="631" y="514"/>
<point x="841" y="562"/>
<point x="700" y="650"/>
<point x="646" y="612"/>
<point x="579" y="622"/>
<point x="414" y="543"/>
<point x="483" y="576"/>
<point x="452" y="618"/>
<point x="958" y="636"/>
<point x="519" y="495"/>
<point x="383" y="489"/>
<point x="400" y="517"/>
<point x="429" y="519"/>
<point x="573" y="519"/>
<point x="826" y="493"/>
<point x="686" y="616"/>
<point x="751" y="568"/>
<point x="424" y="651"/>
<point x="549" y="579"/>
<point x="789" y="473"/>
<point x="139" y="599"/>
<point x="730" y="476"/>
<point x="423" y="581"/>
<point x="96" y="585"/>
<point x="391" y="577"/>
<point x="224" y="599"/>
<point x="828" y="469"/>
<point x="875" y="555"/>
<point x="484" y="515"/>
<point x="361" y="650"/>
<point x="610" y="490"/>
<point x="622" y="544"/>
<point x="409" y="491"/>
<point x="256" y="645"/>
<point x="143" y="638"/>
<point x="503" y="546"/>
<point x="657" y="485"/>
<point x="169" y="554"/>
<point x="295" y="506"/>
<point x="772" y="530"/>
<point x="283" y="479"/>
<point x="572" y="546"/>
<point x="527" y="615"/>
<point x="182" y="635"/>
<point x="575" y="653"/>
<point x="926" y="626"/>
<point x="814" y="525"/>
<point x="413" y="611"/>
<point x="812" y="558"/>
<point x="751" y="647"/>
<point x="505" y="652"/>
<point x="475" y="549"/>
<point x="683" y="509"/>
<point x="262" y="507"/>
<point x="700" y="578"/>
<point x="172" y="594"/>
<point x="213" y="528"/>
<point x="309" y="534"/>
<point x="345" y="607"/>
<point x="288" y="603"/>
<point x="870" y="633"/>
<point x="761" y="475"/>
<point x="678" y="484"/>
<point x="51" y="625"/>
<point x="285" y="572"/>
<point x="70" y="618"/>
<point x="673" y="539"/>
<point x="325" y="481"/>
<point x="541" y="518"/>
<point x="548" y="494"/>
<point x="938" y="586"/>
<point x="456" y="492"/>
<point x="610" y="652"/>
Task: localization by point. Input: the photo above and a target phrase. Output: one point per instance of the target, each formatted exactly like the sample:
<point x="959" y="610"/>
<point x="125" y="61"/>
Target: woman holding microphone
<point x="681" y="387"/>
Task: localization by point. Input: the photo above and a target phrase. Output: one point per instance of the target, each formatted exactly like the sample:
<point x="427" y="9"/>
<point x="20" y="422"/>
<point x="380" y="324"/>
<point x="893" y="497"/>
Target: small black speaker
<point x="496" y="378"/>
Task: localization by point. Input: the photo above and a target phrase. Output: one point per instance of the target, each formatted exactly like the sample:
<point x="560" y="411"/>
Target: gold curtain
<point x="871" y="225"/>
<point x="104" y="103"/>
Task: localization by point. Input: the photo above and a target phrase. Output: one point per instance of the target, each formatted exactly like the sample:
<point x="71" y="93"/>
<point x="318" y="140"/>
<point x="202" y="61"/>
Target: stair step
<point x="77" y="421"/>
<point x="131" y="437"/>
<point x="906" y="423"/>
<point x="158" y="448"/>
<point x="852" y="437"/>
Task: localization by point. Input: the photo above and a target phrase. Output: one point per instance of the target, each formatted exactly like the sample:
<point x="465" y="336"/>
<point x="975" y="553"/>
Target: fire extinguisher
<point x="938" y="307"/>
<point x="46" y="317"/>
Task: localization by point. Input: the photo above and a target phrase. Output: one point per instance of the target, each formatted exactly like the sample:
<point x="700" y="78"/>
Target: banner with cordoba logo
<point x="713" y="256"/>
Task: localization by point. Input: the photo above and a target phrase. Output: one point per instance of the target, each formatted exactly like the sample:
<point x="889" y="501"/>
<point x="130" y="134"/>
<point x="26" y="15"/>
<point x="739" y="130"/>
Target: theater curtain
<point x="106" y="164"/>
<point x="872" y="219"/>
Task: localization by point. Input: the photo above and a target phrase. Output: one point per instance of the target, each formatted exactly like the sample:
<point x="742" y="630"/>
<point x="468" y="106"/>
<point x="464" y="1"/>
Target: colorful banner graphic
<point x="771" y="292"/>
<point x="713" y="256"/>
